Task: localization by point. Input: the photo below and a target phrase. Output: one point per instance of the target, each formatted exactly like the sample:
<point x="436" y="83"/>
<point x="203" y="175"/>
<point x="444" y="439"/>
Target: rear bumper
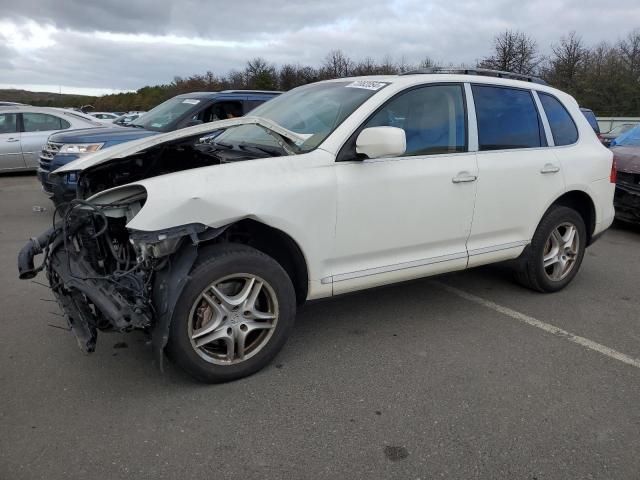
<point x="627" y="202"/>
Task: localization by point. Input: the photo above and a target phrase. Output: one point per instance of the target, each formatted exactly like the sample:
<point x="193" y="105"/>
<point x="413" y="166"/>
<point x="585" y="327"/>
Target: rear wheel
<point x="234" y="315"/>
<point x="556" y="251"/>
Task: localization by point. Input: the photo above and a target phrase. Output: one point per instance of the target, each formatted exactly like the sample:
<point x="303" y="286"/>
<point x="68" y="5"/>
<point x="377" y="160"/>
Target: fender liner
<point x="168" y="285"/>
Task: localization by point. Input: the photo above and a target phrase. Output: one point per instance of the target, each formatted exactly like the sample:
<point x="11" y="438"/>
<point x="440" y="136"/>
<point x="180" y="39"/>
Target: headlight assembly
<point x="80" y="148"/>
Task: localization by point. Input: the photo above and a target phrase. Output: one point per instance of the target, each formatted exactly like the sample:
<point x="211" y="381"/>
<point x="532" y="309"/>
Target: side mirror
<point x="378" y="142"/>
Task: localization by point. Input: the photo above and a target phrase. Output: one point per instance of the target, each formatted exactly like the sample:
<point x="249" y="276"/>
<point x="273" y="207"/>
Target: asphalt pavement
<point x="453" y="377"/>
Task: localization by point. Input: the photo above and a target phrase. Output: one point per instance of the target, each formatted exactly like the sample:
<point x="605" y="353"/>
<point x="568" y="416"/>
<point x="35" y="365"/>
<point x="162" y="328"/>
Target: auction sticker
<point x="191" y="101"/>
<point x="367" y="85"/>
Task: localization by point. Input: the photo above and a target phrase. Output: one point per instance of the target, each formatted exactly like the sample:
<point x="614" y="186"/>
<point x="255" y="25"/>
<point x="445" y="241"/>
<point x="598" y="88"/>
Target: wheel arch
<point x="277" y="244"/>
<point x="581" y="202"/>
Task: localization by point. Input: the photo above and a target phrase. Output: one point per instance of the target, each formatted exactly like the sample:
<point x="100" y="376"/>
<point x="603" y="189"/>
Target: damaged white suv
<point x="209" y="240"/>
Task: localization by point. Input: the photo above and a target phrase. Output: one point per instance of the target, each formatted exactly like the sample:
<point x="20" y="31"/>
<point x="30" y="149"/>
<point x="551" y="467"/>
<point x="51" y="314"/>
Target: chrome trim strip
<point x="497" y="248"/>
<point x="392" y="268"/>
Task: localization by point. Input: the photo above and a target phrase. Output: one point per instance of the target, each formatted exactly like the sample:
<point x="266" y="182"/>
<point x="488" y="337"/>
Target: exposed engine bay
<point x="183" y="154"/>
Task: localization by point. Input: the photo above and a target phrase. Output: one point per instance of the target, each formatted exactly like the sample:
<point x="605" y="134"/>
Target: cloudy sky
<point x="89" y="46"/>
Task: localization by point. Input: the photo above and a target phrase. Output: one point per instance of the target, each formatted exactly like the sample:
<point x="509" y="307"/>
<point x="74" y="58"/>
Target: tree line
<point x="604" y="77"/>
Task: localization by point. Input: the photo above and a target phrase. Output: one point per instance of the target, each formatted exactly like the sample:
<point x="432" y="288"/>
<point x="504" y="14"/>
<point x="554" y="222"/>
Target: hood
<point x="627" y="159"/>
<point x="130" y="148"/>
<point x="101" y="135"/>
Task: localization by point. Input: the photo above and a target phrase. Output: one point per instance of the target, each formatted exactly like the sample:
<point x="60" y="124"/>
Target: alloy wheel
<point x="233" y="319"/>
<point x="561" y="251"/>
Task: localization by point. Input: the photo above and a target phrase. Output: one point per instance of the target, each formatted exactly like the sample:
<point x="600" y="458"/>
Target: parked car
<point x="333" y="187"/>
<point x="610" y="136"/>
<point x="177" y="112"/>
<point x="125" y="120"/>
<point x="626" y="153"/>
<point x="105" y="116"/>
<point x="593" y="121"/>
<point x="24" y="130"/>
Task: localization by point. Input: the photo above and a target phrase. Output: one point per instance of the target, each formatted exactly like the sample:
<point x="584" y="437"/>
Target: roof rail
<point x="250" y="91"/>
<point x="478" y="71"/>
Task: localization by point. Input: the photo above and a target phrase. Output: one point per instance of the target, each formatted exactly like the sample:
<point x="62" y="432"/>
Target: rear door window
<point x="507" y="118"/>
<point x="42" y="122"/>
<point x="8" y="122"/>
<point x="563" y="129"/>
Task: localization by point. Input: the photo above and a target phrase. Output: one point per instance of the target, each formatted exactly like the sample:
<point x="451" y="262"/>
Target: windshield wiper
<point x="228" y="146"/>
<point x="270" y="151"/>
<point x="134" y="125"/>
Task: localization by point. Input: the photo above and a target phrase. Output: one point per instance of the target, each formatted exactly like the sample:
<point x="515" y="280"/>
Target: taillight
<point x="614" y="172"/>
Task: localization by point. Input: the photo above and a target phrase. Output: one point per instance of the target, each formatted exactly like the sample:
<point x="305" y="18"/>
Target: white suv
<point x="209" y="236"/>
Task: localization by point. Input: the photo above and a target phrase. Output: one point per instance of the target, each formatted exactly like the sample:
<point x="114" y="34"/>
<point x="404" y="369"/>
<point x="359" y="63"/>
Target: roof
<point x="409" y="79"/>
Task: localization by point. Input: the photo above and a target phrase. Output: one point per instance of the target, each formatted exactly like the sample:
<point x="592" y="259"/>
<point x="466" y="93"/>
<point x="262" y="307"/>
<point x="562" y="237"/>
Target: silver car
<point x="24" y="130"/>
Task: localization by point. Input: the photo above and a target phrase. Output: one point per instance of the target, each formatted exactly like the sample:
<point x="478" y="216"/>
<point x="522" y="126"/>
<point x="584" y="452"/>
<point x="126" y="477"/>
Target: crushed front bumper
<point x="140" y="298"/>
<point x="90" y="300"/>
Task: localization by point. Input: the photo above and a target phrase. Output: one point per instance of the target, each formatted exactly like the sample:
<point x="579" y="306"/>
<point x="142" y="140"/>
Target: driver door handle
<point x="464" y="177"/>
<point x="13" y="139"/>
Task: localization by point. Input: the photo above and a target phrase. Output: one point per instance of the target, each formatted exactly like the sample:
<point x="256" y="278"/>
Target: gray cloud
<point x="281" y="31"/>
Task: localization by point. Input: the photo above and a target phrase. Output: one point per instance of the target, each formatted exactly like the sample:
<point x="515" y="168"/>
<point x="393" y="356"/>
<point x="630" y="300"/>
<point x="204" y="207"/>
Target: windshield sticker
<point x="366" y="84"/>
<point x="156" y="125"/>
<point x="191" y="101"/>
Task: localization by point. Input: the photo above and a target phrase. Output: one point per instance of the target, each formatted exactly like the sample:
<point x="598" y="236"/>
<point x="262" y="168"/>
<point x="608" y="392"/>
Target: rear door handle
<point x="464" y="177"/>
<point x="13" y="139"/>
<point x="550" y="168"/>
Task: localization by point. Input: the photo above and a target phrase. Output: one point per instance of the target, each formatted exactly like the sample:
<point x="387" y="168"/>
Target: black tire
<point x="531" y="271"/>
<point x="215" y="262"/>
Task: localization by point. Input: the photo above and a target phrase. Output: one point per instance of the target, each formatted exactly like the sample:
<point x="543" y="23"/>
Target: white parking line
<point x="534" y="322"/>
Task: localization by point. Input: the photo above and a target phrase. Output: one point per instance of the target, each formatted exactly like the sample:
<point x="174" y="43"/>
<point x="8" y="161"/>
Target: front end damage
<point x="106" y="277"/>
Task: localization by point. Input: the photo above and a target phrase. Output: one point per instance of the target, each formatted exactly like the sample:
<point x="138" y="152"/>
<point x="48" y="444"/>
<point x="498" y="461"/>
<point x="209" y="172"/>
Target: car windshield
<point x="161" y="117"/>
<point x="314" y="111"/>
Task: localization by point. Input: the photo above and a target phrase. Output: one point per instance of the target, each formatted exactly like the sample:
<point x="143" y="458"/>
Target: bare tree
<point x="513" y="52"/>
<point x="336" y="65"/>
<point x="568" y="61"/>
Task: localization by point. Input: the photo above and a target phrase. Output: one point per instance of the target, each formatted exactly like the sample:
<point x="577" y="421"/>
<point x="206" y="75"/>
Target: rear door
<point x="518" y="174"/>
<point x="10" y="153"/>
<point x="36" y="128"/>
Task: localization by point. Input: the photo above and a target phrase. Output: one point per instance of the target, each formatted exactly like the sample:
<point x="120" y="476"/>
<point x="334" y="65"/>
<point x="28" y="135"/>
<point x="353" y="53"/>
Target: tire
<point x="532" y="272"/>
<point x="238" y="271"/>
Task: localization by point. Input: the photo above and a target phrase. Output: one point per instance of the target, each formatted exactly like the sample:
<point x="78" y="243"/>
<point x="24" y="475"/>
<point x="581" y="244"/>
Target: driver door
<point x="408" y="216"/>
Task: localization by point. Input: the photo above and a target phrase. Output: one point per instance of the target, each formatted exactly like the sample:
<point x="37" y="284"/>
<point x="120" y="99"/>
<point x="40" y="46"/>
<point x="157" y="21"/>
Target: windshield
<point x="314" y="111"/>
<point x="161" y="117"/>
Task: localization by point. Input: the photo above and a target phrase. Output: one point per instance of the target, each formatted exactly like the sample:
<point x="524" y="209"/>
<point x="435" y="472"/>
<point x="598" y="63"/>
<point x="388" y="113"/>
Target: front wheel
<point x="234" y="315"/>
<point x="556" y="251"/>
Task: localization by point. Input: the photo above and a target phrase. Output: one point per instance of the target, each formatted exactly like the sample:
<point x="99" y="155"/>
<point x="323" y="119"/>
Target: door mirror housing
<point x="378" y="142"/>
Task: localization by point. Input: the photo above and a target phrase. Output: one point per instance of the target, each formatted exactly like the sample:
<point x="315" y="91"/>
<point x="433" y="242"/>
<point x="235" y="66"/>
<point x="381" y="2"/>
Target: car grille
<point x="46" y="155"/>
